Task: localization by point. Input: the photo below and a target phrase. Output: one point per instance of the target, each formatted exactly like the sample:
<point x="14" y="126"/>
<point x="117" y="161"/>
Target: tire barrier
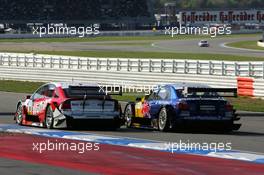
<point x="245" y="86"/>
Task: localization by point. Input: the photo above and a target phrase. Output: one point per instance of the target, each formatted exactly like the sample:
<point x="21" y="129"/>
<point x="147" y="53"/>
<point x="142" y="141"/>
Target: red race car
<point x="63" y="105"/>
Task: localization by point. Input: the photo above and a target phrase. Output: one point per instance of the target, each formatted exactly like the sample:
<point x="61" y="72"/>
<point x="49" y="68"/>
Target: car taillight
<point x="66" y="105"/>
<point x="229" y="107"/>
<point x="183" y="106"/>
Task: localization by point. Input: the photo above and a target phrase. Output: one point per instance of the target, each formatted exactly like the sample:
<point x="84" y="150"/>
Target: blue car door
<point x="159" y="99"/>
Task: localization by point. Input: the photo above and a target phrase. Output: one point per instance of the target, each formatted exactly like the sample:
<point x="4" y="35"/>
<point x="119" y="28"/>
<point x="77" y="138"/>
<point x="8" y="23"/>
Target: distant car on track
<point x="61" y="105"/>
<point x="181" y="105"/>
<point x="203" y="43"/>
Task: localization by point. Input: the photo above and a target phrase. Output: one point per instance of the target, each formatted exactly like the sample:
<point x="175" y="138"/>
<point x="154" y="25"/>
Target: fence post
<point x="128" y="65"/>
<point x="34" y="61"/>
<point x="186" y="67"/>
<point x="9" y="60"/>
<point x="60" y="63"/>
<point x="118" y="65"/>
<point x="42" y="62"/>
<point x="223" y="68"/>
<point x="263" y="70"/>
<point x="51" y="62"/>
<point x="17" y="62"/>
<point x="162" y="66"/>
<point x="139" y="65"/>
<point x="88" y="64"/>
<point x="210" y="68"/>
<point x="150" y="65"/>
<point x="237" y="69"/>
<point x="1" y="60"/>
<point x="198" y="67"/>
<point x="78" y="63"/>
<point x="108" y="67"/>
<point x="250" y="70"/>
<point x="98" y="64"/>
<point x="25" y="62"/>
<point x="174" y="66"/>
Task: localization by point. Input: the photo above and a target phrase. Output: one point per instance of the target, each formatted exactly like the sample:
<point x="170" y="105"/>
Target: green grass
<point x="163" y="55"/>
<point x="145" y="41"/>
<point x="246" y="45"/>
<point x="19" y="86"/>
<point x="240" y="103"/>
<point x="121" y="38"/>
<point x="128" y="96"/>
<point x="248" y="104"/>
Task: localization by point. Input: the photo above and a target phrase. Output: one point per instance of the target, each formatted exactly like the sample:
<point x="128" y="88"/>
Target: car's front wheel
<point x="163" y="120"/>
<point x="19" y="114"/>
<point x="49" y="118"/>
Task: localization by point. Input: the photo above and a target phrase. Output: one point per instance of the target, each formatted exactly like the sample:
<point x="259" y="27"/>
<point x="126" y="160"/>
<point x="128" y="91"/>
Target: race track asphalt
<point x="249" y="138"/>
<point x="177" y="46"/>
<point x="217" y="46"/>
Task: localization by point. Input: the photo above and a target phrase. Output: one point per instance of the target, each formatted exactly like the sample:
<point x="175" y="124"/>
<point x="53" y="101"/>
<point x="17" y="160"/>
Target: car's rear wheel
<point x="19" y="114"/>
<point x="49" y="118"/>
<point x="128" y="116"/>
<point x="163" y="120"/>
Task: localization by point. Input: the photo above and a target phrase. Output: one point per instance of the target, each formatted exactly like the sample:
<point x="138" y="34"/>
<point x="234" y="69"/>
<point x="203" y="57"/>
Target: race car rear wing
<point x="222" y="92"/>
<point x="95" y="90"/>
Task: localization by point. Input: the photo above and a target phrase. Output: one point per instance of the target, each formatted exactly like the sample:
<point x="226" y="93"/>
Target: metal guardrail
<point x="131" y="72"/>
<point x="198" y="67"/>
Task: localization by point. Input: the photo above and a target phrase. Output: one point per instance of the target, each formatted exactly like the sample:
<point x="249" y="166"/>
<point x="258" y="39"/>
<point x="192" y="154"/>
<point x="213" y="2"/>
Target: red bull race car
<point x="62" y="105"/>
<point x="183" y="106"/>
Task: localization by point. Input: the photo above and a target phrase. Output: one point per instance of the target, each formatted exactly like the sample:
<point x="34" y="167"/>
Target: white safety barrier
<point x="135" y="72"/>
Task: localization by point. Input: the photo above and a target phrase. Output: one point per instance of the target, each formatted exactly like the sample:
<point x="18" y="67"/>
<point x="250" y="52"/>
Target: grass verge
<point x="246" y="45"/>
<point x="123" y="38"/>
<point x="240" y="103"/>
<point x="19" y="86"/>
<point x="248" y="104"/>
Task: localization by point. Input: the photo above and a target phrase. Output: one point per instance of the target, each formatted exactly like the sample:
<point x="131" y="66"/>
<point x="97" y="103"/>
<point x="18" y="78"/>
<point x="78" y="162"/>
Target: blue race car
<point x="184" y="105"/>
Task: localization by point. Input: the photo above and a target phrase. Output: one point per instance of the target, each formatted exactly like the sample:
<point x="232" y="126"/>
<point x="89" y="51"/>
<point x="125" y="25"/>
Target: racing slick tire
<point x="19" y="114"/>
<point x="48" y="123"/>
<point x="128" y="114"/>
<point x="163" y="120"/>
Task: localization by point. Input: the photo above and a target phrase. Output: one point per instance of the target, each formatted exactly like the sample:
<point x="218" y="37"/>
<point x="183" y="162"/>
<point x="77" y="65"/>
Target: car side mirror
<point x="138" y="99"/>
<point x="28" y="97"/>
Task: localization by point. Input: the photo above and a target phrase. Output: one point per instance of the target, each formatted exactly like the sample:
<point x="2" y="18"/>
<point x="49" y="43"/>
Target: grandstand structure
<point x="129" y="13"/>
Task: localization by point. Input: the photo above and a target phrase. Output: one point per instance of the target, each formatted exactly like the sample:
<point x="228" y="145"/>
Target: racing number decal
<point x="39" y="106"/>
